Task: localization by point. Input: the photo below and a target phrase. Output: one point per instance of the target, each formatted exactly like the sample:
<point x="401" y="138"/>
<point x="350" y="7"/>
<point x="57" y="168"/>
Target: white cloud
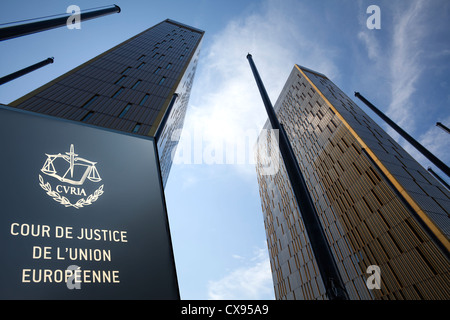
<point x="368" y="37"/>
<point x="402" y="54"/>
<point x="252" y="281"/>
<point x="227" y="105"/>
<point x="402" y="57"/>
<point x="405" y="61"/>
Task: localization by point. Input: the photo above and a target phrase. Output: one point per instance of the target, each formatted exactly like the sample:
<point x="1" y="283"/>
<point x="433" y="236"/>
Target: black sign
<point x="82" y="213"/>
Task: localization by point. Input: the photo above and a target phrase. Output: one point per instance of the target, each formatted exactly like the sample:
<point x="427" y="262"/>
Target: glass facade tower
<point x="376" y="204"/>
<point x="129" y="87"/>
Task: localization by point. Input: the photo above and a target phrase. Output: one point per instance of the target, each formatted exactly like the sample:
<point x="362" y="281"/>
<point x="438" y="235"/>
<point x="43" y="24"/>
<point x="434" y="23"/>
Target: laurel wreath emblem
<point x="64" y="201"/>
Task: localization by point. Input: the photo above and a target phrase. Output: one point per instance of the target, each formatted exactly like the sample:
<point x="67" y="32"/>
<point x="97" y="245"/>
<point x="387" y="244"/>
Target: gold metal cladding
<point x="435" y="229"/>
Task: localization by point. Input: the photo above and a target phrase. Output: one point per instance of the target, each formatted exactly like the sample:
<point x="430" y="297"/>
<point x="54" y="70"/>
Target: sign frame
<point x="141" y="260"/>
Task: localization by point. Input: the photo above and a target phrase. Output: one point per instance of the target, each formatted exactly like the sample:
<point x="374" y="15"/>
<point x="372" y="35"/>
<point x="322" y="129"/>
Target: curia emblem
<point x="70" y="177"/>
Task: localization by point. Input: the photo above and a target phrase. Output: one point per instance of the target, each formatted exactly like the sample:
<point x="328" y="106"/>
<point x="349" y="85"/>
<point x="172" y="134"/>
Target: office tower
<point x="130" y="87"/>
<point x="377" y="206"/>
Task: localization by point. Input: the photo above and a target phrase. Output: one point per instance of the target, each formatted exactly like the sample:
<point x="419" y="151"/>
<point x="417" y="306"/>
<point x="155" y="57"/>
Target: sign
<point x="82" y="213"/>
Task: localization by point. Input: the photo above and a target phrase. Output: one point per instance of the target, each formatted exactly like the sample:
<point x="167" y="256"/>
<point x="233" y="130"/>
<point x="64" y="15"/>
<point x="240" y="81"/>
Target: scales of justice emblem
<point x="72" y="172"/>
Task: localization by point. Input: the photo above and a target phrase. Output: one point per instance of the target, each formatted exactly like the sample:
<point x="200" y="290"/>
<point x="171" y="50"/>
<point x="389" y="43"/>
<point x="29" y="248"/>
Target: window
<point x="181" y="57"/>
<point x="137" y="127"/>
<point x="320" y="115"/>
<point x="125" y="110"/>
<point x="157" y="70"/>
<point x="141" y="65"/>
<point x="141" y="57"/>
<point x="117" y="92"/>
<point x="155" y="55"/>
<point x="161" y="57"/>
<point x="145" y="98"/>
<point x="90" y="101"/>
<point x="87" y="116"/>
<point x="136" y="84"/>
<point x="169" y="65"/>
<point x="120" y="80"/>
<point x="162" y="80"/>
<point x="126" y="70"/>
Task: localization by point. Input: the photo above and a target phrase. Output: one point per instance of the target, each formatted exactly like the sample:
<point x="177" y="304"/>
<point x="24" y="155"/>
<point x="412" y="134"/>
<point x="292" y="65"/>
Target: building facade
<point x="129" y="87"/>
<point x="377" y="206"/>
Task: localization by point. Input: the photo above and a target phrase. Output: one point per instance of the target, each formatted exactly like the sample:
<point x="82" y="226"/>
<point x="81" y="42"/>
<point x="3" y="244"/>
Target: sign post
<point x="83" y="214"/>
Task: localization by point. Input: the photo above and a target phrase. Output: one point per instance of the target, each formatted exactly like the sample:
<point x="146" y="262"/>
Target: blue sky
<point x="214" y="209"/>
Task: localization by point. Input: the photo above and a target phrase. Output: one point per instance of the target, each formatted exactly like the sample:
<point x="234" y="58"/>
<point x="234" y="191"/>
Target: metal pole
<point x="440" y="125"/>
<point x="26" y="70"/>
<point x="329" y="272"/>
<point x="165" y="117"/>
<point x="33" y="27"/>
<point x="438" y="163"/>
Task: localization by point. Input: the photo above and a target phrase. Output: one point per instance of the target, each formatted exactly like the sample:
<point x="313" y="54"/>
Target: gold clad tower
<point x="380" y="210"/>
